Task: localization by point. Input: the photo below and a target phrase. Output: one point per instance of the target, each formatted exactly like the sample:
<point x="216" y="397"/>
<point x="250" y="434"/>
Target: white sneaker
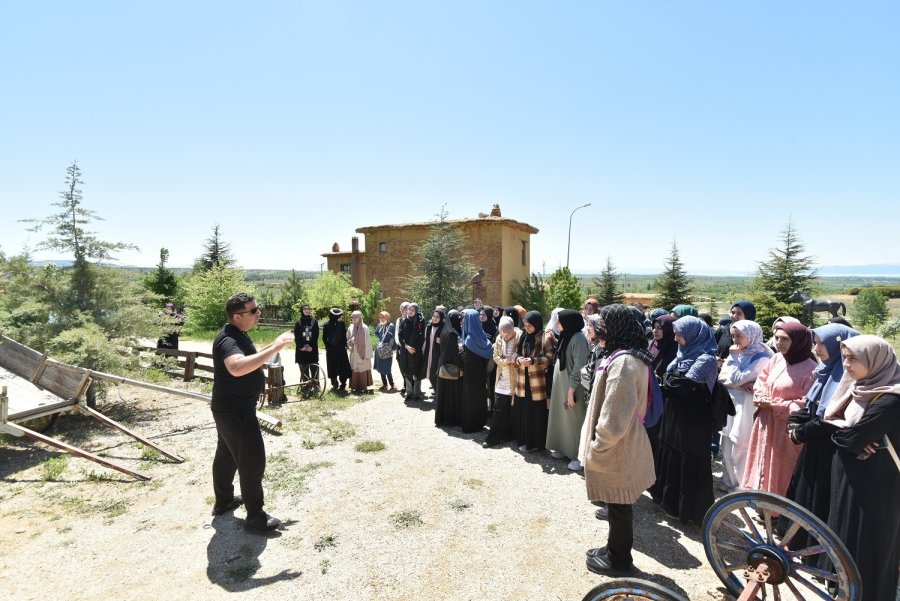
<point x="574" y="465"/>
<point x="556" y="454"/>
<point x="523" y="448"/>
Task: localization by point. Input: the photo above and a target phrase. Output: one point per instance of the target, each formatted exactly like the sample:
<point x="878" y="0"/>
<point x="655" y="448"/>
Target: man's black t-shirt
<point x="229" y="392"/>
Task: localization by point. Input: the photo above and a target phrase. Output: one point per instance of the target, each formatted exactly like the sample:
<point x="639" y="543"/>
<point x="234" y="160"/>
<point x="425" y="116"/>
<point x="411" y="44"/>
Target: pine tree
<point x="787" y="269"/>
<point x="69" y="234"/>
<point x="291" y="294"/>
<point x="163" y="281"/>
<point x="673" y="283"/>
<point x="563" y="290"/>
<point x="216" y="252"/>
<point x="443" y="267"/>
<point x="609" y="291"/>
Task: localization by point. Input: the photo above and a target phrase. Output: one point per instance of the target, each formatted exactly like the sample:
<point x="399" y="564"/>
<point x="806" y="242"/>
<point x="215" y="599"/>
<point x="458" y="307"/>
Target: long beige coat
<point x="358" y="363"/>
<point x="618" y="464"/>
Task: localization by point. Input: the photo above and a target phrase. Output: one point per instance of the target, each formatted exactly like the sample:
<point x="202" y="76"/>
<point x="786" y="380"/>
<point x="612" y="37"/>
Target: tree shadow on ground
<point x="662" y="539"/>
<point x="233" y="556"/>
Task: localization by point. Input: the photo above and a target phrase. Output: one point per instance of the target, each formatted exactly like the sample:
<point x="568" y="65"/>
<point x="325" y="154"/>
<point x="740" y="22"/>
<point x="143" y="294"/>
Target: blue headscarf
<point x="829" y="373"/>
<point x="748" y="309"/>
<point x="697" y="358"/>
<point x="474" y="337"/>
<point x="656" y="313"/>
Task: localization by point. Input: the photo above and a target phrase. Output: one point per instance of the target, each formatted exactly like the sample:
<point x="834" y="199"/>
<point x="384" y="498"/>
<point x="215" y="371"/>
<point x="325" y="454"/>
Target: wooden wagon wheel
<point x="750" y="549"/>
<point x="631" y="589"/>
<point x="313" y="385"/>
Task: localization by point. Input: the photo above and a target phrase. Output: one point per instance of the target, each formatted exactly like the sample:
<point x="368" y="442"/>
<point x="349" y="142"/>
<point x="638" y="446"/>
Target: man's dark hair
<point x="236" y="302"/>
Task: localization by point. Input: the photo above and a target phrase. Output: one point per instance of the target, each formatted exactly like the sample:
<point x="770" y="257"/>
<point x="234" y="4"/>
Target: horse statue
<point x="810" y="305"/>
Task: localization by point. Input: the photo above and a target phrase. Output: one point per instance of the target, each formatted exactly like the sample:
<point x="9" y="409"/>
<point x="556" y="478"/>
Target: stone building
<point x="499" y="246"/>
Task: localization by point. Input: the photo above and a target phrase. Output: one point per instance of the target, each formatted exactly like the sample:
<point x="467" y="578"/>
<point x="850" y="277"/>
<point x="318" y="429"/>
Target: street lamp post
<point x="569" y="244"/>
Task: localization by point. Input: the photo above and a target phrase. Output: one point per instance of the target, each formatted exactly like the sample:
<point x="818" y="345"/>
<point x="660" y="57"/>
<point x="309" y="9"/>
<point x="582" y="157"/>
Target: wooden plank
<point x="40" y="369"/>
<point x="4" y="405"/>
<point x="61" y="382"/>
<point x="114" y="424"/>
<point x="12" y="429"/>
<point x="41" y="411"/>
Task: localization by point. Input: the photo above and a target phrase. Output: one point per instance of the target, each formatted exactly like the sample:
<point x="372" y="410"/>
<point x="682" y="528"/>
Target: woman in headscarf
<point x="865" y="476"/>
<point x="449" y="391"/>
<point x="505" y="358"/>
<point x="497" y="314"/>
<point x="476" y="351"/>
<point x="746" y="358"/>
<point x="684" y="310"/>
<point x="775" y="324"/>
<point x="412" y="337"/>
<point x="554" y="320"/>
<point x="778" y="392"/>
<point x="306" y="335"/>
<point x="663" y="349"/>
<point x="432" y="351"/>
<point x="513" y="314"/>
<point x="335" y="337"/>
<point x="618" y="465"/>
<point x="384" y="332"/>
<point x="567" y="396"/>
<point x="811" y="482"/>
<point x="740" y="310"/>
<point x="684" y="486"/>
<point x="535" y="353"/>
<point x="486" y="315"/>
<point x="360" y="344"/>
<point x="401" y="350"/>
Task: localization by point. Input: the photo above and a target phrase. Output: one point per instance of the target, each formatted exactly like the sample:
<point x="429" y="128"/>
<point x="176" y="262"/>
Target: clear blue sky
<point x="293" y="123"/>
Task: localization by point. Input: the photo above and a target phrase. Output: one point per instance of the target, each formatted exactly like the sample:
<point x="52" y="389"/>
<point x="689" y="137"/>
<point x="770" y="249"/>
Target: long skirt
<point x="473" y="410"/>
<point x="531" y="420"/>
<point x="684" y="481"/>
<point x="501" y="420"/>
<point x="360" y="380"/>
<point x="446" y="408"/>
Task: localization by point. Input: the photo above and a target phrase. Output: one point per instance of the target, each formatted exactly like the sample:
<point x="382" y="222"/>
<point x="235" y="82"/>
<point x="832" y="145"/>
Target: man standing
<point x="238" y="381"/>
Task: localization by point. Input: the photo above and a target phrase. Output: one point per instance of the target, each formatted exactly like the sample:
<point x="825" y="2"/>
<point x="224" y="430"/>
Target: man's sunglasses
<point x="253" y="310"/>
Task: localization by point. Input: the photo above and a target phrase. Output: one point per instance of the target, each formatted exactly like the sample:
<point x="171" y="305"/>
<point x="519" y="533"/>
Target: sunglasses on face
<point x="251" y="311"/>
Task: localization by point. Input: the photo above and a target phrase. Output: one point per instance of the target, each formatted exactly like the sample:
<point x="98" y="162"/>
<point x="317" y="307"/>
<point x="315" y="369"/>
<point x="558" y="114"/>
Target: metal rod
<point x="569" y="244"/>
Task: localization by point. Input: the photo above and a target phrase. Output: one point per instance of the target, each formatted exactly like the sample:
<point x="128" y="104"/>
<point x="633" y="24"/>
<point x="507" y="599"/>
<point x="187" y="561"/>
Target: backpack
<point x="721" y="406"/>
<point x="655" y="399"/>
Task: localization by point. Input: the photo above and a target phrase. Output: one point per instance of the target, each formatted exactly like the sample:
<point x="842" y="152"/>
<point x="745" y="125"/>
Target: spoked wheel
<point x="631" y="589"/>
<point x="750" y="547"/>
<point x="315" y="385"/>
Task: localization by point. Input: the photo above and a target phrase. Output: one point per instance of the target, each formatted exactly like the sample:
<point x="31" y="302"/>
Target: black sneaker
<point x="263" y="522"/>
<point x="601" y="564"/>
<point x="234" y="503"/>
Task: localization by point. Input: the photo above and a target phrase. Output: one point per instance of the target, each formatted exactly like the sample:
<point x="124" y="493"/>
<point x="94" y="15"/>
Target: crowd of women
<point x="811" y="414"/>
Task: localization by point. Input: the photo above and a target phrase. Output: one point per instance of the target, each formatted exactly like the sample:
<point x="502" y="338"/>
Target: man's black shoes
<point x="219" y="509"/>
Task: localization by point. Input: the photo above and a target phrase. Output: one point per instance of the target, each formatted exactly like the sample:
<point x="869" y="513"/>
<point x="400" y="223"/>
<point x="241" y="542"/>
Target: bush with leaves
<point x="869" y="309"/>
<point x="291" y="294"/>
<point x="768" y="309"/>
<point x="327" y="290"/>
<point x="563" y="290"/>
<point x="162" y="281"/>
<point x="206" y="293"/>
<point x="370" y="305"/>
<point x="530" y="293"/>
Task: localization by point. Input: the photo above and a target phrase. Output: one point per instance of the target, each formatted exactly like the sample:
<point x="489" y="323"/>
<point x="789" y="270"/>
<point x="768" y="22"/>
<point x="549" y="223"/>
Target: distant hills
<point x="888" y="270"/>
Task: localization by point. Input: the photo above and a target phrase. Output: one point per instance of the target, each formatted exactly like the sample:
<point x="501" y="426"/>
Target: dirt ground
<point x="430" y="516"/>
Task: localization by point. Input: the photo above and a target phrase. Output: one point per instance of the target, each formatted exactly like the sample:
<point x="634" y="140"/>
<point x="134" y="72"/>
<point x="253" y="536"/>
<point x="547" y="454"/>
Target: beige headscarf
<point x="358" y="335"/>
<point x="852" y="397"/>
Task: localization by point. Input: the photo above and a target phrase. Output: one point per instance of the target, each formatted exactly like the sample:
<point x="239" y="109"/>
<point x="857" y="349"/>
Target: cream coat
<point x="358" y="363"/>
<point x="618" y="465"/>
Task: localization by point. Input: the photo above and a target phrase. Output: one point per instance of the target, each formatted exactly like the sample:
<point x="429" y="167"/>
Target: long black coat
<point x="412" y="333"/>
<point x="306" y="331"/>
<point x="335" y="338"/>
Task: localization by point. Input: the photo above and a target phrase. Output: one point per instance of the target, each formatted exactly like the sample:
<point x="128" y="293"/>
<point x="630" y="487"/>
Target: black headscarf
<point x="664" y="350"/>
<point x="513" y="314"/>
<point x="572" y="322"/>
<point x="497" y="317"/>
<point x="621" y="330"/>
<point x="455" y="320"/>
<point x="527" y="341"/>
<point x="489" y="326"/>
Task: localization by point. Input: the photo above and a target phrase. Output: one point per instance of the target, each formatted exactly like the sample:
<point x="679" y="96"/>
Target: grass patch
<point x="407" y="519"/>
<point x="287" y="476"/>
<point x="309" y="444"/>
<point x="54" y="467"/>
<point x="150" y="454"/>
<point x="459" y="505"/>
<point x="325" y="541"/>
<point x="473" y="483"/>
<point x="324" y="565"/>
<point x="492" y="528"/>
<point x="370" y="446"/>
<point x="99" y="476"/>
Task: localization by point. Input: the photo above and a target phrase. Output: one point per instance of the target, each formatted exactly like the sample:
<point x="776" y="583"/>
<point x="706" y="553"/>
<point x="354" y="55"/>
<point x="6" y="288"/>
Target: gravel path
<point x="432" y="516"/>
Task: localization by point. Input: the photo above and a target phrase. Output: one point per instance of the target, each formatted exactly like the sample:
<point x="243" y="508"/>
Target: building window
<point x="524" y="251"/>
<point x="382" y="247"/>
<point x="345" y="267"/>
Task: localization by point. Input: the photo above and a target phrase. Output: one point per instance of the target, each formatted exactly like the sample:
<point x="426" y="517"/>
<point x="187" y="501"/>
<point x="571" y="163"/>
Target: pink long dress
<point x="772" y="456"/>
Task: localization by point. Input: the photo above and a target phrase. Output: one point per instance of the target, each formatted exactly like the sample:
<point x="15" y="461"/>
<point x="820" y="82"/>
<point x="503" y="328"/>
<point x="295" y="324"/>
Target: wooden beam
<point x="82" y="408"/>
<point x="12" y="428"/>
<point x="40" y="369"/>
<point x="4" y="405"/>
